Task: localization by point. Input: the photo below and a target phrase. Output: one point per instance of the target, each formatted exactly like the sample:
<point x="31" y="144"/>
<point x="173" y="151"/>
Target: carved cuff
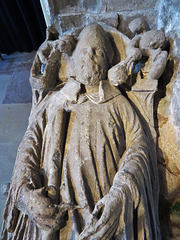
<point x="125" y="182"/>
<point x="20" y="197"/>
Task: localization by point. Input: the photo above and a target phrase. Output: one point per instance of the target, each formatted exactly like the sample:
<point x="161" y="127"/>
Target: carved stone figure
<point x="85" y="168"/>
<point x="148" y="45"/>
<point x="152" y="44"/>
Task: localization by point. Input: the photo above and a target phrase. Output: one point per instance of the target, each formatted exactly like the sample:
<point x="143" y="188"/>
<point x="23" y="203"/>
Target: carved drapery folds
<point x="86" y="167"/>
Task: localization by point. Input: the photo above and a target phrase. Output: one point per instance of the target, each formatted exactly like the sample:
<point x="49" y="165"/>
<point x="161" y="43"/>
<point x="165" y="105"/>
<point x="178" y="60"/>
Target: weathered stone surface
<point x="169" y="112"/>
<point x="77" y="6"/>
<point x="91" y="6"/>
<point x="138" y="25"/>
<point x="66" y="6"/>
<point x="88" y="132"/>
<point x="166" y="15"/>
<point x="150" y="16"/>
<point x="133" y="7"/>
<point x="169" y="144"/>
<point x="169" y="17"/>
<point x="107" y="18"/>
<point x="71" y="22"/>
<point x="74" y="23"/>
<point x="117" y="6"/>
<point x="101" y="5"/>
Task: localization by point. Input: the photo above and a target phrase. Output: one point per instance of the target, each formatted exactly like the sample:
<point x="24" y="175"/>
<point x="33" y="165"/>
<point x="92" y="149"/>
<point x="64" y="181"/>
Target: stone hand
<point x="104" y="219"/>
<point x="40" y="208"/>
<point x="133" y="54"/>
<point x="118" y="74"/>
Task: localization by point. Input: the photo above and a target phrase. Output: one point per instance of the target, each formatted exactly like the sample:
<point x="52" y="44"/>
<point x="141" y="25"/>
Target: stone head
<point x="93" y="55"/>
<point x="138" y="25"/>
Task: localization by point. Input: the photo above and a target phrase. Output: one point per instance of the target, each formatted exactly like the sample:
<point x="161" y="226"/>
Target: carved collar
<point x="105" y="93"/>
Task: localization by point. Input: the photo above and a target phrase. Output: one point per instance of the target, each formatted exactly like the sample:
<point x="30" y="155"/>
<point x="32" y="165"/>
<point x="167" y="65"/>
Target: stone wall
<point x="169" y="118"/>
<point x="71" y="15"/>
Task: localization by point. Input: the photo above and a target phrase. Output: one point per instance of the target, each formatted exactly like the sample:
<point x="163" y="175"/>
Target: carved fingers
<point x="104" y="220"/>
<point x="42" y="211"/>
<point x="118" y="74"/>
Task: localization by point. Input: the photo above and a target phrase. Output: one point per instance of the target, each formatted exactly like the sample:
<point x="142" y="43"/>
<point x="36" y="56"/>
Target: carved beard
<point x="90" y="74"/>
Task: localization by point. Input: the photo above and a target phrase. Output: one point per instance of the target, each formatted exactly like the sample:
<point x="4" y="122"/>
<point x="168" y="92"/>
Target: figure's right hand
<point x="133" y="54"/>
<point x="40" y="208"/>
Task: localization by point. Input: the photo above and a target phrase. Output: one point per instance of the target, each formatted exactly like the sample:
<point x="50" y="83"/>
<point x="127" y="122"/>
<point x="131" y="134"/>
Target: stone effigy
<point x="86" y="167"/>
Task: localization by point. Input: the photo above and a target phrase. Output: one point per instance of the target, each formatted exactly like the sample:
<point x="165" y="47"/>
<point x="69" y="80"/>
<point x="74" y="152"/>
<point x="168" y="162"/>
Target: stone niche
<point x="71" y="16"/>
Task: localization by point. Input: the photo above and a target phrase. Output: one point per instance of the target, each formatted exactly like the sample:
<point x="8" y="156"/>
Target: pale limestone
<point x="76" y="120"/>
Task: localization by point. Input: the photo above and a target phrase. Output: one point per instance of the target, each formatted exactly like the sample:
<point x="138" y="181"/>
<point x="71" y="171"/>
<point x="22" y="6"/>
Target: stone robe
<point x="83" y="149"/>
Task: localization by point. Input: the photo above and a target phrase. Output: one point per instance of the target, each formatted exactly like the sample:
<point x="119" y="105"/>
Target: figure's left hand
<point x="104" y="219"/>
